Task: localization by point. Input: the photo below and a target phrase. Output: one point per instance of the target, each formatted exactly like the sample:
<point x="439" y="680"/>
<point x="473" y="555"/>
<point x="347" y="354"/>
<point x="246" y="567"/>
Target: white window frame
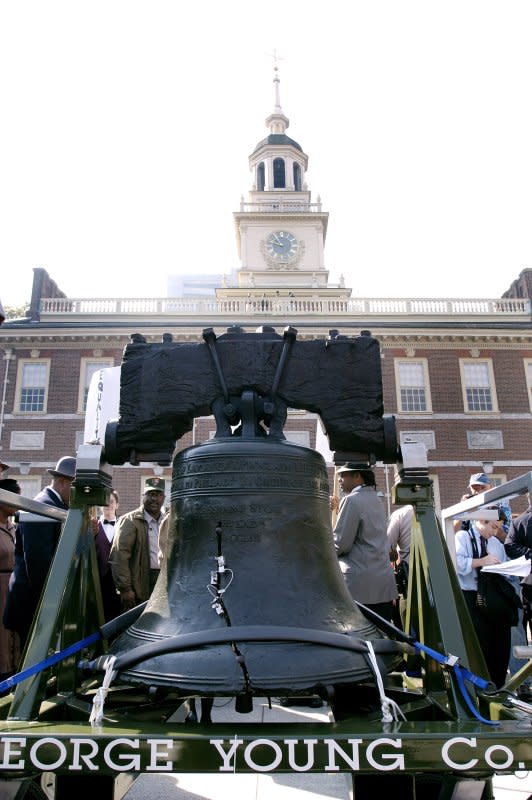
<point x="497" y="479"/>
<point x="491" y="375"/>
<point x="424" y="364"/>
<point x="23" y="362"/>
<point x="83" y="388"/>
<point x="30" y="485"/>
<point x="527" y="363"/>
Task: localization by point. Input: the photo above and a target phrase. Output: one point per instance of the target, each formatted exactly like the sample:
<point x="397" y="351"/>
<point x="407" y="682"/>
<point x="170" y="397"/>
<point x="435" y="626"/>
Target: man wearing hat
<point x="361" y="542"/>
<point x="134" y="556"/>
<point x="35" y="544"/>
<point x="479" y="482"/>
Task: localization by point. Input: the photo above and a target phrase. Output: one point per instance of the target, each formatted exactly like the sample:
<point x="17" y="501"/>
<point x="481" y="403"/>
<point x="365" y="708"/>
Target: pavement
<point x="275" y="786"/>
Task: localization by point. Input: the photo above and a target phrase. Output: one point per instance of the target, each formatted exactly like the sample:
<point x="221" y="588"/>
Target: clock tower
<point x="280" y="231"/>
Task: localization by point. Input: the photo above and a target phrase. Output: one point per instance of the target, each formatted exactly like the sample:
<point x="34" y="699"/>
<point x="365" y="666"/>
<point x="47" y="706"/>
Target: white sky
<point x="126" y="129"/>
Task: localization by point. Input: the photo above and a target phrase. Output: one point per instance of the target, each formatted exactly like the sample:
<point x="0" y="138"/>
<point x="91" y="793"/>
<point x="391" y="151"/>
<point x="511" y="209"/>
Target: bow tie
<point x="109" y="521"/>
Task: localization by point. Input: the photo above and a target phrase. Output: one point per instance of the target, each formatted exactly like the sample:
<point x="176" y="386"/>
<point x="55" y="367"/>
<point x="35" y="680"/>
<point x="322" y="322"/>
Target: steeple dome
<point x="278" y="162"/>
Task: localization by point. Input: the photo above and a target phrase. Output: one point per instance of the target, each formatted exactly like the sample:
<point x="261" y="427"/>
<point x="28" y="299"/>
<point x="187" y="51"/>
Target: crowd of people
<point x="127" y="551"/>
<point x="374" y="555"/>
<point x="373" y="552"/>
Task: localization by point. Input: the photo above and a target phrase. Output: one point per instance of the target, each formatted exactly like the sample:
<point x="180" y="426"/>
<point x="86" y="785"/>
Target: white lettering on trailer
<point x="78" y="756"/>
<point x="291" y="744"/>
<point x="130" y="763"/>
<point x="9" y="750"/>
<point x="60" y="760"/>
<point x="155" y="755"/>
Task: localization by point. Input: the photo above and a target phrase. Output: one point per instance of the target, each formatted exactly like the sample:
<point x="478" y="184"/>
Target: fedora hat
<point x="353" y="466"/>
<point x="65" y="468"/>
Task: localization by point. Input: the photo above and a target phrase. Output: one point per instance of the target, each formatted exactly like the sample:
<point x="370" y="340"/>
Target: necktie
<point x="109" y="521"/>
<point x="483" y="547"/>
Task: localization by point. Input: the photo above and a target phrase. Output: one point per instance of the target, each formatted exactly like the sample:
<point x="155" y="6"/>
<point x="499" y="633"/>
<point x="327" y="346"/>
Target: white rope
<point x="391" y="712"/>
<point x="96" y="715"/>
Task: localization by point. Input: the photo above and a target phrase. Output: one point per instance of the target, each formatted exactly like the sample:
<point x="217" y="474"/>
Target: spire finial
<point x="276" y="79"/>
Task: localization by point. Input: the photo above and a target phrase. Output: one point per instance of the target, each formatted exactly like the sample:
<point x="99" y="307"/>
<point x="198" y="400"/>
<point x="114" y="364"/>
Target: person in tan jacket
<point x="134" y="556"/>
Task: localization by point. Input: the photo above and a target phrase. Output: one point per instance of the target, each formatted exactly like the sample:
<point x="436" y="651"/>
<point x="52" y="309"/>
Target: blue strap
<point x="107" y="630"/>
<point x="449" y="661"/>
<point x="465" y="694"/>
<point x="50" y="661"/>
<point x="462" y="674"/>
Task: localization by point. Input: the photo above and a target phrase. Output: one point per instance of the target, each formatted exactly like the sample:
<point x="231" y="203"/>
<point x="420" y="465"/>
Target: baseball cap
<point x="479" y="479"/>
<point x="154" y="485"/>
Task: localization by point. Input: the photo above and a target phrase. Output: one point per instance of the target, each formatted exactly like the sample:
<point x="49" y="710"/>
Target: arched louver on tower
<point x="279" y="178"/>
<point x="297" y="177"/>
<point x="261" y="181"/>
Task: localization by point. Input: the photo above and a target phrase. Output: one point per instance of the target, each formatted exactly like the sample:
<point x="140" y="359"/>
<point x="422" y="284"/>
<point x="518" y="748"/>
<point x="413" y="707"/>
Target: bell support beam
<point x="71" y="603"/>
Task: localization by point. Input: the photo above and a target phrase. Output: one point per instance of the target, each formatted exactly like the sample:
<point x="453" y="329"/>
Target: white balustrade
<point x="264" y="304"/>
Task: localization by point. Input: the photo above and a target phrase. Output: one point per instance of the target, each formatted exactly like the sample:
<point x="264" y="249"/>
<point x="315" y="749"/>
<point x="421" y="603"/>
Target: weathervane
<point x="276" y="59"/>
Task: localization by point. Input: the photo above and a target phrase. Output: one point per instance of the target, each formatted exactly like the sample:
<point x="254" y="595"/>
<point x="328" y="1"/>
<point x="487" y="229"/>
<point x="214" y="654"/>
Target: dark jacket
<point x="110" y="597"/>
<point x="519" y="543"/>
<point x="36" y="540"/>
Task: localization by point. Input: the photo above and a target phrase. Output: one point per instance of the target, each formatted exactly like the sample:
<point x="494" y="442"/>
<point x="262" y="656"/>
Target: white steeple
<point x="278" y="163"/>
<point x="277" y="122"/>
<point x="280" y="231"/>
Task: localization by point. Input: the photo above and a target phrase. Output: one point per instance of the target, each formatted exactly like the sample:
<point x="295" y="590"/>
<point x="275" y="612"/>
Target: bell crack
<point x="217" y="591"/>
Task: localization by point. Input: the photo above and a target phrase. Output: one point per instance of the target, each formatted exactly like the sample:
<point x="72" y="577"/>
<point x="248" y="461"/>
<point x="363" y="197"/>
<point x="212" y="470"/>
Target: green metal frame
<point x="44" y="724"/>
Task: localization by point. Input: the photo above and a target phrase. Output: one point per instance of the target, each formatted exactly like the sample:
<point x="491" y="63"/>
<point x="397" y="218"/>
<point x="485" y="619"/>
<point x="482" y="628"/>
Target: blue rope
<point x="50" y="661"/>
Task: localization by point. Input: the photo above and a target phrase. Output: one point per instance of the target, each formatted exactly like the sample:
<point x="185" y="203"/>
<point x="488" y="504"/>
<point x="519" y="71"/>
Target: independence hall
<point x="456" y="372"/>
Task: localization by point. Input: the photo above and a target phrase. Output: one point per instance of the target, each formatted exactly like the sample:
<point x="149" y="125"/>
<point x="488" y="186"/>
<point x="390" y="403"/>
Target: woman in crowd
<point x="9" y="641"/>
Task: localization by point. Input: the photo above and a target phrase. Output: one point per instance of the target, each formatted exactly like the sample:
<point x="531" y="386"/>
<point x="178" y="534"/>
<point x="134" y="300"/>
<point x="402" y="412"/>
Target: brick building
<point x="457" y="373"/>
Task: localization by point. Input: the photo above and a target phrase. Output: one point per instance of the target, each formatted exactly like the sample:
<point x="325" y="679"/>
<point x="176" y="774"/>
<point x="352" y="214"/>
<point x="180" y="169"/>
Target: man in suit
<point x="361" y="542"/>
<point x="103" y="541"/>
<point x="36" y="540"/>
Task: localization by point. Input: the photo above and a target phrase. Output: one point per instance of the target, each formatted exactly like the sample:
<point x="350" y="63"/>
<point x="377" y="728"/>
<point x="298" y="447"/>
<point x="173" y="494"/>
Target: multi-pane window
<point x="497" y="480"/>
<point x="478" y="385"/>
<point x="88" y="368"/>
<point x="29" y="485"/>
<point x="33" y="383"/>
<point x="412" y="385"/>
<point x="528" y="374"/>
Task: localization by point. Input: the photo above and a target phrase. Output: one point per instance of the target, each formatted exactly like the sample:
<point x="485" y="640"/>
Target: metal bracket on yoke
<point x="250" y="408"/>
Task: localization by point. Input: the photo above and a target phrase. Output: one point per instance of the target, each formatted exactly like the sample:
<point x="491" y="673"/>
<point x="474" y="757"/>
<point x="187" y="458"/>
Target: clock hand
<point x="279" y="242"/>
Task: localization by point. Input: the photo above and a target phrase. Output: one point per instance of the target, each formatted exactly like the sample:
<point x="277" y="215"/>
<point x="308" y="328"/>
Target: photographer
<point x="479" y="483"/>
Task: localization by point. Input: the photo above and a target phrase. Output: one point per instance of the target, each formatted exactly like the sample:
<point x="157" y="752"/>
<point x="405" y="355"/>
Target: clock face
<point x="282" y="246"/>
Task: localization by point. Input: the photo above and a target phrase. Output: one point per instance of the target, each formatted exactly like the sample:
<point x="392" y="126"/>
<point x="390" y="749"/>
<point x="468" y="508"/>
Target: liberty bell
<point x="250" y="600"/>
